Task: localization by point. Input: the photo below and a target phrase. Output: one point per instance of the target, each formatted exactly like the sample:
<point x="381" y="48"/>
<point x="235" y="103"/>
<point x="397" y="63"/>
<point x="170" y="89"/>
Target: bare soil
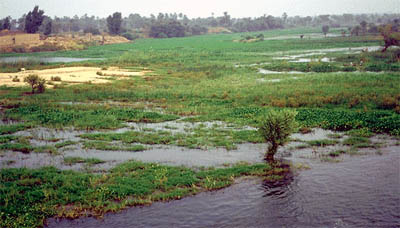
<point x="70" y="75"/>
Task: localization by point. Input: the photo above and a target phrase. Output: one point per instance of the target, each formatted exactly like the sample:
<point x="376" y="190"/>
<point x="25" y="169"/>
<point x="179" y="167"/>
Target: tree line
<point x="179" y="25"/>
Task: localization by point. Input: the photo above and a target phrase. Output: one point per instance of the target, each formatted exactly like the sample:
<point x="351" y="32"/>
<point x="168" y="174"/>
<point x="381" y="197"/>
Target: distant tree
<point x="48" y="28"/>
<point x="363" y="25"/>
<point x="114" y="23"/>
<point x="325" y="29"/>
<point x="5" y="23"/>
<point x="373" y="28"/>
<point x="33" y="20"/>
<point x="284" y="17"/>
<point x="391" y="36"/>
<point x="167" y="29"/>
<point x="355" y="31"/>
<point x="92" y="30"/>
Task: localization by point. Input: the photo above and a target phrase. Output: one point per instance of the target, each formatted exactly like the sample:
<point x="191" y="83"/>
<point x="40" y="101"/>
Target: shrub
<point x="130" y="36"/>
<point x="46" y="47"/>
<point x="19" y="49"/>
<point x="56" y="79"/>
<point x="276" y="127"/>
<point x="15" y="79"/>
<point x="36" y="82"/>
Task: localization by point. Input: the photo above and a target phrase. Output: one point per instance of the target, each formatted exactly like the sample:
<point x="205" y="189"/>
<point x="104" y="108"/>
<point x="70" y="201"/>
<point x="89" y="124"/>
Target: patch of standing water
<point x="46" y="59"/>
<point x="263" y="71"/>
<point x="360" y="192"/>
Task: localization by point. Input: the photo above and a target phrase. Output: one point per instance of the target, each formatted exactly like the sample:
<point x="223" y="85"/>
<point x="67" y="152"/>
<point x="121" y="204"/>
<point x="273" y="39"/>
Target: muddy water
<point x="363" y="191"/>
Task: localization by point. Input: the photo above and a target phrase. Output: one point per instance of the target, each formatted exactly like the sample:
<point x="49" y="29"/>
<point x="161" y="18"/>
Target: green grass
<point x="12" y="128"/>
<point x="322" y="142"/>
<point x="83" y="117"/>
<point x="64" y="144"/>
<point x="198" y="138"/>
<point x="28" y="197"/>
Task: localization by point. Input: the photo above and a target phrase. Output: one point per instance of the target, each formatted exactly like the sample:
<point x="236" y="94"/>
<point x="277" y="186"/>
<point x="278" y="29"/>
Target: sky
<point x="198" y="8"/>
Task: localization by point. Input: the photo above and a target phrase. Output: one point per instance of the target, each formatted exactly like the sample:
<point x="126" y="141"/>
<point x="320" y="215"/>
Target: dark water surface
<point x="362" y="191"/>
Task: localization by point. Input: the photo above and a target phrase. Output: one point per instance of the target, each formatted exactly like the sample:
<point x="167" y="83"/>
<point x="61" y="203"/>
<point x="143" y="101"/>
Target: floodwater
<point x="45" y="59"/>
<point x="362" y="191"/>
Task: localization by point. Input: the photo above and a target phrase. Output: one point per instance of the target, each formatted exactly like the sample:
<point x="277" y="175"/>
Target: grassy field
<point x="201" y="78"/>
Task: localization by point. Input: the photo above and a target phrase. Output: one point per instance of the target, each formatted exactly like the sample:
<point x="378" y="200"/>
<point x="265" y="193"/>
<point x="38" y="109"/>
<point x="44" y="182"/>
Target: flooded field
<point x="361" y="191"/>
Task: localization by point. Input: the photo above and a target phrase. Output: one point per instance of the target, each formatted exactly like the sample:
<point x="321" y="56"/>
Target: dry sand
<point x="70" y="75"/>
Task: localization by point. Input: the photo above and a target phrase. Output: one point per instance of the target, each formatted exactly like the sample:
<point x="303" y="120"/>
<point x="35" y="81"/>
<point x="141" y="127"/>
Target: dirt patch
<point x="69" y="75"/>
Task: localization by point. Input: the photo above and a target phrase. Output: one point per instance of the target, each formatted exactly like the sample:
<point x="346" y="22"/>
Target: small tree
<point x="36" y="83"/>
<point x="325" y="29"/>
<point x="276" y="127"/>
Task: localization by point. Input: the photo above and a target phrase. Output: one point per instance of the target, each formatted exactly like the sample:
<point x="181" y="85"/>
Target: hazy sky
<point x="198" y="8"/>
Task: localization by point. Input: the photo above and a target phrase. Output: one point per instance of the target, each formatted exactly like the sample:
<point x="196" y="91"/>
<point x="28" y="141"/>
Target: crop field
<point x="85" y="144"/>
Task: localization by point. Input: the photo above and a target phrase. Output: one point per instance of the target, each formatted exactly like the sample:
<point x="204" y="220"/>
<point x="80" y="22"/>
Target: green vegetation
<point x="88" y="161"/>
<point x="36" y="83"/>
<point x="276" y="127"/>
<point x="198" y="79"/>
<point x="12" y="128"/>
<point x="99" y="145"/>
<point x="83" y="117"/>
<point x="198" y="138"/>
<point x="322" y="142"/>
<point x="28" y="197"/>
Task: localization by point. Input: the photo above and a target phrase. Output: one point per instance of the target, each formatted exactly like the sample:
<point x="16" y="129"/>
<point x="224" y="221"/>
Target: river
<point x="361" y="191"/>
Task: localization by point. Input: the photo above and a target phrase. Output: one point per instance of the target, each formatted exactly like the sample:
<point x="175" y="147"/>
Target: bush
<point x="276" y="127"/>
<point x="94" y="31"/>
<point x="130" y="36"/>
<point x="56" y="79"/>
<point x="15" y="79"/>
<point x="36" y="82"/>
<point x="19" y="49"/>
<point x="46" y="47"/>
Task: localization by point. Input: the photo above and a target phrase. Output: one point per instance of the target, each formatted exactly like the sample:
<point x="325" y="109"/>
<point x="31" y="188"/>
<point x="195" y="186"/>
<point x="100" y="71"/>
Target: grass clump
<point x="64" y="144"/>
<point x="201" y="138"/>
<point x="12" y="128"/>
<point x="101" y="145"/>
<point x="322" y="142"/>
<point x="76" y="160"/>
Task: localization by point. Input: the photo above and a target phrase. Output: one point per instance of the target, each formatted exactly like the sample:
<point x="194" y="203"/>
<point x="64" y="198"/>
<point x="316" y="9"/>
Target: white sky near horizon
<point x="202" y="8"/>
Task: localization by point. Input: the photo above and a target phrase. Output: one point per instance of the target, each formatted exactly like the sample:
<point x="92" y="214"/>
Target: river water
<point x="361" y="191"/>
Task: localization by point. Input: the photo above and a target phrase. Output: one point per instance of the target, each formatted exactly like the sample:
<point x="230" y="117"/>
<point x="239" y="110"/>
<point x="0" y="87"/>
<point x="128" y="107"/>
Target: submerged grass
<point x="88" y="161"/>
<point x="198" y="138"/>
<point x="28" y="197"/>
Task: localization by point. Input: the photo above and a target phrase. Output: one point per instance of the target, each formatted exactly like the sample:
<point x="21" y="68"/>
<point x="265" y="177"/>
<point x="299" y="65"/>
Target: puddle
<point x="276" y="79"/>
<point x="304" y="60"/>
<point x="42" y="133"/>
<point x="263" y="71"/>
